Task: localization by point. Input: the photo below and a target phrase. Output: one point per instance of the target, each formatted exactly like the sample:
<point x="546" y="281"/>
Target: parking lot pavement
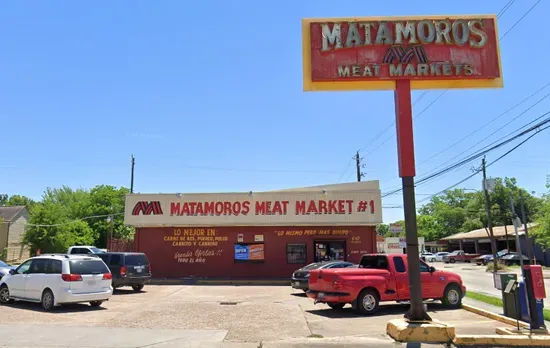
<point x="244" y="313"/>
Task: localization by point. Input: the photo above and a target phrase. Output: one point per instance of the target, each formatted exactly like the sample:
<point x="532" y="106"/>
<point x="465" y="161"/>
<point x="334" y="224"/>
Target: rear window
<point x="374" y="262"/>
<point x="88" y="267"/>
<point x="136" y="260"/>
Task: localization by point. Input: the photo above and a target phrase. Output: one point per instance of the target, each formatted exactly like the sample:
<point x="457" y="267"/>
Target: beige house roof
<point x="482" y="233"/>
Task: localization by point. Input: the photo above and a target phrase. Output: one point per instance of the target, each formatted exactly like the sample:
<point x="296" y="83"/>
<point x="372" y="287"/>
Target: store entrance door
<point x="330" y="251"/>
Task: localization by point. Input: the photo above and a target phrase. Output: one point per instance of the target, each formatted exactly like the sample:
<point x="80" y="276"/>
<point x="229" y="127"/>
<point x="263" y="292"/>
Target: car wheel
<point x="47" y="300"/>
<point x="137" y="288"/>
<point x="452" y="260"/>
<point x="96" y="303"/>
<point x="368" y="302"/>
<point x="336" y="305"/>
<point x="432" y="260"/>
<point x="4" y="294"/>
<point x="484" y="262"/>
<point x="452" y="296"/>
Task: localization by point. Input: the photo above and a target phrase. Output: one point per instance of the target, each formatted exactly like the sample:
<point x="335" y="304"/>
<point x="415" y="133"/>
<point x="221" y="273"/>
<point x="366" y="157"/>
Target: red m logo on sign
<point x="147" y="208"/>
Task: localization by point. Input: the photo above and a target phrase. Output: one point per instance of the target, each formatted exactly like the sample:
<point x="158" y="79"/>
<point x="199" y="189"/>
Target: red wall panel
<point x="209" y="251"/>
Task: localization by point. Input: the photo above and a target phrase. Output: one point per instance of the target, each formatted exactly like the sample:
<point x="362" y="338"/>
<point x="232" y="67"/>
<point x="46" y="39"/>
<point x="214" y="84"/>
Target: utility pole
<point x="132" y="175"/>
<point x="489" y="218"/>
<point x="358" y="166"/>
<point x="527" y="239"/>
<point x="111" y="221"/>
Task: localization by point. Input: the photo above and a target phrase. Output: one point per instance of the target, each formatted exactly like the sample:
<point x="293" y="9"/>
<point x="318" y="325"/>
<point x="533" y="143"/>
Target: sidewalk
<point x="488" y="307"/>
<point x="17" y="336"/>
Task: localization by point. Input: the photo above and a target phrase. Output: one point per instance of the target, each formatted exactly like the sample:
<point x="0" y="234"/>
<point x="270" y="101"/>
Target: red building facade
<point x="254" y="235"/>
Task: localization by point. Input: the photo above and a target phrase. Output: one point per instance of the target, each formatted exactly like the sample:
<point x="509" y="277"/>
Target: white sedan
<point x="429" y="257"/>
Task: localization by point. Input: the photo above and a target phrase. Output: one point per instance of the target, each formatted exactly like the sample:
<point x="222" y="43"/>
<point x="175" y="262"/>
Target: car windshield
<point x="312" y="266"/>
<point x="97" y="251"/>
<point x="88" y="267"/>
<point x="502" y="252"/>
<point x="3" y="264"/>
<point x="136" y="260"/>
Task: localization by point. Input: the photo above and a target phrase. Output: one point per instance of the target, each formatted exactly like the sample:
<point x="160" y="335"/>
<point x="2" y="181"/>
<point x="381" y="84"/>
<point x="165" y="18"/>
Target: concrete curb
<point x="504" y="340"/>
<point x="494" y="316"/>
<point x="434" y="331"/>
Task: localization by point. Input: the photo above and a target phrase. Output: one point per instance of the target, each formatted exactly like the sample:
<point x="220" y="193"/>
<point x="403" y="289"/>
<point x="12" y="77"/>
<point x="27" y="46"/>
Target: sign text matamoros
<point x="371" y="53"/>
<point x="352" y="208"/>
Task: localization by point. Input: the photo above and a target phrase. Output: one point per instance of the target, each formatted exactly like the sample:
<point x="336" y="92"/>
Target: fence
<point x="120" y="245"/>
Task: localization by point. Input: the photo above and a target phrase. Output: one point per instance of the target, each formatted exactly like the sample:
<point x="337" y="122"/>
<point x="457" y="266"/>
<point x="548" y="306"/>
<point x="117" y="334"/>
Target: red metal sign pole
<point x="405" y="151"/>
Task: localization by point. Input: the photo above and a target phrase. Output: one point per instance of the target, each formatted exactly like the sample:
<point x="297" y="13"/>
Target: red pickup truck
<point x="381" y="278"/>
<point x="459" y="256"/>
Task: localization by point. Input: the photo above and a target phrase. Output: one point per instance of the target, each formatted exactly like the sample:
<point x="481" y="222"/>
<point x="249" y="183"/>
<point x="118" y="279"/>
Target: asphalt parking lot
<point x="246" y="313"/>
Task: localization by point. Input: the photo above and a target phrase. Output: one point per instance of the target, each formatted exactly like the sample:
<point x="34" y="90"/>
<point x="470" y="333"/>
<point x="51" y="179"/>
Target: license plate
<point x="321" y="294"/>
<point x="91" y="282"/>
<point x="139" y="270"/>
<point x="296" y="283"/>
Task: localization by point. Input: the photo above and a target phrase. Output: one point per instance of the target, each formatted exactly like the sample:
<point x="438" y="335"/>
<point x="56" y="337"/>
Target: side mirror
<point x="13" y="271"/>
<point x="432" y="269"/>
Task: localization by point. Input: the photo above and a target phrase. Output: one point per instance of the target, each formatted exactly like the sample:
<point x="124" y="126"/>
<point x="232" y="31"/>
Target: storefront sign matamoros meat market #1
<point x="430" y="51"/>
<point x="264" y="208"/>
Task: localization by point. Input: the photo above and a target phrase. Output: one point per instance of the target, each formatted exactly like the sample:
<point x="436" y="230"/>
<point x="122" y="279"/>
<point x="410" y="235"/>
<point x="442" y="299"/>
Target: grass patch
<point x="315" y="336"/>
<point x="495" y="301"/>
<point x="491" y="266"/>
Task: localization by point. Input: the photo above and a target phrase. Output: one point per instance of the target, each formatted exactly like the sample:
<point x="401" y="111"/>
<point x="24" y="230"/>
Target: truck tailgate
<point x="322" y="280"/>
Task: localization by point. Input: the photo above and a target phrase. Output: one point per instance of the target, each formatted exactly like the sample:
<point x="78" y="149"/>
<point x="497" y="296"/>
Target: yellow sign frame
<point x="311" y="86"/>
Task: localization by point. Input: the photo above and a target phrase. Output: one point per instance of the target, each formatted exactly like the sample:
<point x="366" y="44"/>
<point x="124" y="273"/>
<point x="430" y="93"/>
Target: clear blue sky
<point x="208" y="97"/>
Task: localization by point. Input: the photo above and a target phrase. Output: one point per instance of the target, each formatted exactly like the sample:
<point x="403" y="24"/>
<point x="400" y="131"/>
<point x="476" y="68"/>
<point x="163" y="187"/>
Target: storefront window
<point x="296" y="253"/>
<point x="249" y="252"/>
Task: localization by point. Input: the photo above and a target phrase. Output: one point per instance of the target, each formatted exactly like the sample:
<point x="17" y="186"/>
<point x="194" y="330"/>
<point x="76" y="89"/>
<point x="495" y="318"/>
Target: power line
<point x="480" y="153"/>
<point x="479" y="170"/>
<point x="497" y="130"/>
<point x="68" y="223"/>
<point x="505" y="8"/>
<point x="519" y="20"/>
<point x="486" y="124"/>
<point x="501" y="12"/>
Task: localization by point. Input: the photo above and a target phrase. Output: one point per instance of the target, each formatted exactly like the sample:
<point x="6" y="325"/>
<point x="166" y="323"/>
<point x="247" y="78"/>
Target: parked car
<point x="513" y="259"/>
<point x="459" y="256"/>
<point x="485" y="259"/>
<point x="4" y="269"/>
<point x="84" y="250"/>
<point x="440" y="255"/>
<point x="381" y="278"/>
<point x="428" y="257"/>
<point x="53" y="280"/>
<point x="300" y="277"/>
<point x="128" y="269"/>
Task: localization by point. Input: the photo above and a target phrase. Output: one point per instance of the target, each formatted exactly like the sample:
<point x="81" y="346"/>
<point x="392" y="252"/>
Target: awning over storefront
<point x="482" y="234"/>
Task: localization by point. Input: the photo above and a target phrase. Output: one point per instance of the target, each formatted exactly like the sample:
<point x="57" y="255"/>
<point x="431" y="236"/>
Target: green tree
<point x="541" y="232"/>
<point x="108" y="200"/>
<point x="13" y="200"/>
<point x="51" y="229"/>
<point x="383" y="230"/>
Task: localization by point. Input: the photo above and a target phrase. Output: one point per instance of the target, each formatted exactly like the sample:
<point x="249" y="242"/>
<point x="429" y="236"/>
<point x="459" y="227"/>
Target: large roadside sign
<point x="371" y="53"/>
<point x="402" y="54"/>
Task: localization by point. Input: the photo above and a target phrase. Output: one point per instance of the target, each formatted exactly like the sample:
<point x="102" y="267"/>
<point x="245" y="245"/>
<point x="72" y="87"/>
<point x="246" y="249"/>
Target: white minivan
<point x="53" y="280"/>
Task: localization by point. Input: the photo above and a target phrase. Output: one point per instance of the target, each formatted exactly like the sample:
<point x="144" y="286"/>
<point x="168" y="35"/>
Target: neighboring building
<point x="254" y="234"/>
<point x="478" y="241"/>
<point x="12" y="231"/>
<point x="398" y="245"/>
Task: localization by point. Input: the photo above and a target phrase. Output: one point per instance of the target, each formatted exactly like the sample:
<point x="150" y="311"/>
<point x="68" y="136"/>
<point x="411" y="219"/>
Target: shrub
<point x="491" y="266"/>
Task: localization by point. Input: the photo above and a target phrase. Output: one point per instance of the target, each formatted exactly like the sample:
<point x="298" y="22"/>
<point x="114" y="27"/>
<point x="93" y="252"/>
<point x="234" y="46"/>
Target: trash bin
<point x="509" y="304"/>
